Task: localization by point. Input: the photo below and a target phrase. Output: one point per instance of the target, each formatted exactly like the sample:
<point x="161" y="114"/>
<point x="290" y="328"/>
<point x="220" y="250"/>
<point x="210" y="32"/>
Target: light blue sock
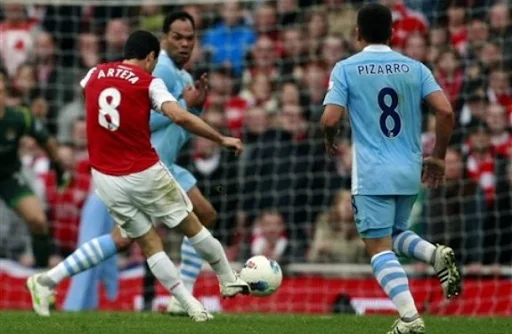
<point x="410" y="244"/>
<point x="87" y="256"/>
<point x="191" y="264"/>
<point x="393" y="280"/>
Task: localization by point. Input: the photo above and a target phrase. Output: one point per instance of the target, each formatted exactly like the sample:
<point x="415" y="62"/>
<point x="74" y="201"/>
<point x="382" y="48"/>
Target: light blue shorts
<point x="186" y="180"/>
<point x="380" y="216"/>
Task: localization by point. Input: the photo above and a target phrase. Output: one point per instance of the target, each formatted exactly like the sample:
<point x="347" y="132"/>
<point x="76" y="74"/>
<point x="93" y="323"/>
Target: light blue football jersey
<point x="167" y="137"/>
<point x="383" y="91"/>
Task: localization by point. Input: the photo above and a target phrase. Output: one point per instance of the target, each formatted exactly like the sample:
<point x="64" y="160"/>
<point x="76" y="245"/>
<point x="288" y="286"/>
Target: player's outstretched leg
<point x="90" y="254"/>
<point x="212" y="252"/>
<point x="442" y="258"/>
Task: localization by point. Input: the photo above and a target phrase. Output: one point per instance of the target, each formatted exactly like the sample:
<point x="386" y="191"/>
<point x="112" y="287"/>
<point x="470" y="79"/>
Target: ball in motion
<point x="263" y="275"/>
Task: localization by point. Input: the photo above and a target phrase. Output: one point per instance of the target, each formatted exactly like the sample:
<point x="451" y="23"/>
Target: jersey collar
<point x="377" y="48"/>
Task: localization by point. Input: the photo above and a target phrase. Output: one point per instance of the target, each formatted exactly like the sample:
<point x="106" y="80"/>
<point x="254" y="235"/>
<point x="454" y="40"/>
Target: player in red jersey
<point x="130" y="179"/>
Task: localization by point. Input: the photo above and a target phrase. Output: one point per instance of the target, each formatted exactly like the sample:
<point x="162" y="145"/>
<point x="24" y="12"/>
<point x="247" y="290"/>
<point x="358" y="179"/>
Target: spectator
<point x="16" y="37"/>
<point x="336" y="238"/>
<point x="263" y="60"/>
<point x="196" y="12"/>
<point x="66" y="204"/>
<point x="294" y="54"/>
<point x="316" y="80"/>
<point x="497" y="121"/>
<point x="221" y="96"/>
<point x="151" y="17"/>
<point x="490" y="56"/>
<point x="501" y="30"/>
<point x="88" y="51"/>
<point x="14" y="238"/>
<point x="316" y="30"/>
<point x="265" y="21"/>
<point x="69" y="113"/>
<point x="481" y="161"/>
<point x="257" y="122"/>
<point x="230" y="40"/>
<point x="478" y="35"/>
<point x="415" y="47"/>
<point x="288" y="12"/>
<point x="116" y="34"/>
<point x="290" y="94"/>
<point x="438" y="37"/>
<point x="341" y="18"/>
<point x="454" y="213"/>
<point x="450" y="75"/>
<point x="499" y="88"/>
<point x="259" y="93"/>
<point x="457" y="26"/>
<point x="268" y="236"/>
<point x="473" y="111"/>
<point x="24" y="85"/>
<point x="405" y="22"/>
<point x="56" y="84"/>
<point x="333" y="50"/>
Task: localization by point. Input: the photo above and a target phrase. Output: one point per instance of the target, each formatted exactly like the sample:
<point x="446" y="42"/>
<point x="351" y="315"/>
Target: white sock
<point x="212" y="252"/>
<point x="167" y="273"/>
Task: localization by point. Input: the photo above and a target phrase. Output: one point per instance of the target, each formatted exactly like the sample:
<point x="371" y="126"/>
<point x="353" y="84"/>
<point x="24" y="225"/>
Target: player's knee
<point x="37" y="223"/>
<point x="122" y="243"/>
<point x="207" y="216"/>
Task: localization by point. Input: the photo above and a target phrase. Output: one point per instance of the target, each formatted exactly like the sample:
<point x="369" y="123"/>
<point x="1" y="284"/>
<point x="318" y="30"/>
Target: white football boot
<point x="197" y="312"/>
<point x="42" y="296"/>
<point x="175" y="308"/>
<point x="416" y="326"/>
<point x="234" y="288"/>
<point x="447" y="272"/>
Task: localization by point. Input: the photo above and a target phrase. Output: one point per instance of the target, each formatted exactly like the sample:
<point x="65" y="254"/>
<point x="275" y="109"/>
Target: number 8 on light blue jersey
<point x="382" y="91"/>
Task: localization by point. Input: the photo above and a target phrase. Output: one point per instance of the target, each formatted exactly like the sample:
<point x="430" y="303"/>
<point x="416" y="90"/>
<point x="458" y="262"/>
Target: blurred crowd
<point x="269" y="66"/>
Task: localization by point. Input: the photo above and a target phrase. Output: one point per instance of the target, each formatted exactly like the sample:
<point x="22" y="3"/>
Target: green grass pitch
<point x="154" y="323"/>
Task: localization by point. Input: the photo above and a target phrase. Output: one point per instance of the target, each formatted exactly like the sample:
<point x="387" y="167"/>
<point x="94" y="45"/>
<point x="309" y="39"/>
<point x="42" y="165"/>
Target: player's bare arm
<point x="330" y="126"/>
<point x="199" y="127"/>
<point x="433" y="166"/>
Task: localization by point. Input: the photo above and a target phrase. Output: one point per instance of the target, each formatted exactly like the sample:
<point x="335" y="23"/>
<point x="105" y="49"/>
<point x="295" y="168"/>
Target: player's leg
<point x="408" y="243"/>
<point x="18" y="195"/>
<point x="191" y="261"/>
<point x="212" y="252"/>
<point x="178" y="213"/>
<point x="374" y="216"/>
<point x="83" y="292"/>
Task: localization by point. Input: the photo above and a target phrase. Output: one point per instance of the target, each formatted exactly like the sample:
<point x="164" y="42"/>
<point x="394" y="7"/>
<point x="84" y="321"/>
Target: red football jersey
<point x="118" y="101"/>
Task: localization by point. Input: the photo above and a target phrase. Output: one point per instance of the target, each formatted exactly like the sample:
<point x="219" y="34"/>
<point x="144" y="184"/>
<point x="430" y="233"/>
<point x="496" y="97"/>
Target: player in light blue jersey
<point x="382" y="92"/>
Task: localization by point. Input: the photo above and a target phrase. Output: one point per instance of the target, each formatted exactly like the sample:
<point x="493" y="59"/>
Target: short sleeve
<point x="337" y="92"/>
<point x="428" y="82"/>
<point x="159" y="94"/>
<point x="85" y="80"/>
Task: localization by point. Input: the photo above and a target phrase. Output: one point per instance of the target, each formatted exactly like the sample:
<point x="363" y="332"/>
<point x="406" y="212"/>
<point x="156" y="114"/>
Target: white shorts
<point x="135" y="201"/>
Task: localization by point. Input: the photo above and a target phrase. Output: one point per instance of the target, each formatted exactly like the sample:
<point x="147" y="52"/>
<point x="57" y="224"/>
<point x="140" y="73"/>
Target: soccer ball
<point x="263" y="275"/>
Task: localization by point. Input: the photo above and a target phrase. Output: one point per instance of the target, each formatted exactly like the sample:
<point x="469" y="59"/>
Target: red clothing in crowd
<point x="406" y="22"/>
<point x="451" y="86"/>
<point x="66" y="206"/>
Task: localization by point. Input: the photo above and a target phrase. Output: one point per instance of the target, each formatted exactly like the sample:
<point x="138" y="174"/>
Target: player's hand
<point x="196" y="94"/>
<point x="234" y="144"/>
<point x="331" y="148"/>
<point x="433" y="172"/>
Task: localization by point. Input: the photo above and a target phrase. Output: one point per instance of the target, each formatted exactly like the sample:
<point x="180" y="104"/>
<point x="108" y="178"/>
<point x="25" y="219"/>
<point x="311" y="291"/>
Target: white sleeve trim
<point x="159" y="94"/>
<point x="85" y="80"/>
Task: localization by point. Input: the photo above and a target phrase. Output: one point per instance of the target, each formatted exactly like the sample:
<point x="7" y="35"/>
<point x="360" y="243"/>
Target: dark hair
<point x="140" y="44"/>
<point x="374" y="21"/>
<point x="183" y="16"/>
